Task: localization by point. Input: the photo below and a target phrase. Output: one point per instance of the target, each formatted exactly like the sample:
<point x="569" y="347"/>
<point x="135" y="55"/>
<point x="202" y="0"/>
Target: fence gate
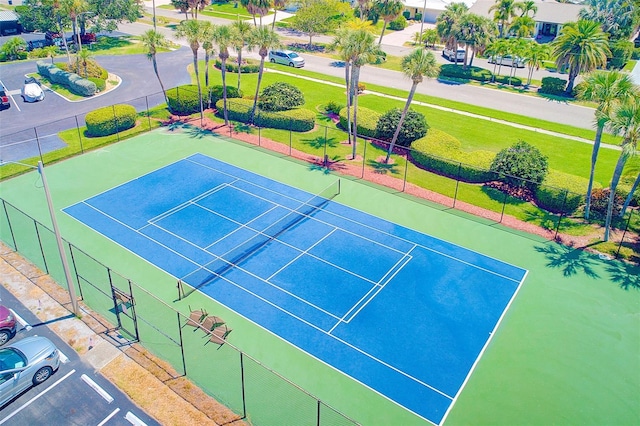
<point x="125" y="309"/>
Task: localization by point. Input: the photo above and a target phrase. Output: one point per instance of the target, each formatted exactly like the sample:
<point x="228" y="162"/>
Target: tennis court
<point x="406" y="314"/>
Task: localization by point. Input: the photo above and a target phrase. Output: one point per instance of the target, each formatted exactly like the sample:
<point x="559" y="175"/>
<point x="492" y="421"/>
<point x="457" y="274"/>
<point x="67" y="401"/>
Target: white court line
<point x="134" y="420"/>
<point x="106" y="419"/>
<point x="103" y="393"/>
<point x="26" y="404"/>
<point x="21" y="320"/>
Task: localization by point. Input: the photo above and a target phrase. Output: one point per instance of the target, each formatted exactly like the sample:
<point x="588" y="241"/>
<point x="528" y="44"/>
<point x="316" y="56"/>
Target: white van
<point x="449" y="54"/>
<point x="507" y="61"/>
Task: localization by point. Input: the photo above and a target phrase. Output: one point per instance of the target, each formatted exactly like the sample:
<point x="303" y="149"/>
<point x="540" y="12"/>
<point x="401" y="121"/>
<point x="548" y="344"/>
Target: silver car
<point x="25" y="363"/>
<point x="286" y="57"/>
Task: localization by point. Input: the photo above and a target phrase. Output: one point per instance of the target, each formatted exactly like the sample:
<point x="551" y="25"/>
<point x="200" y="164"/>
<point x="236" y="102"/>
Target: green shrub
<point x="250" y="67"/>
<point x="505" y="79"/>
<point x="183" y="100"/>
<point x="553" y="86"/>
<point x="471" y="73"/>
<point x="600" y="201"/>
<point x="82" y="86"/>
<point x="558" y="185"/>
<point x="44" y="68"/>
<point x="215" y="93"/>
<point x="280" y="96"/>
<point x="297" y="120"/>
<point x="237" y="109"/>
<point x="71" y="81"/>
<point x="332" y="107"/>
<point x="398" y="24"/>
<point x="621" y="51"/>
<point x="635" y="55"/>
<point x="441" y="153"/>
<point x="93" y="68"/>
<point x="100" y="83"/>
<point x="413" y="127"/>
<point x="367" y="121"/>
<point x="521" y="164"/>
<point x="39" y="53"/>
<point x="109" y="120"/>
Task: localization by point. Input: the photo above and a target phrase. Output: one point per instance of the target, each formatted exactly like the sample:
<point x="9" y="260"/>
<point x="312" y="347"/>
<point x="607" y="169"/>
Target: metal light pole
<point x="56" y="232"/>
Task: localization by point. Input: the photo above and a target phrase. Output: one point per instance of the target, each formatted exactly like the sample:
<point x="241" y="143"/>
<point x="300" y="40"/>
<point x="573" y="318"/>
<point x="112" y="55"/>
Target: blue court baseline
<point x="404" y="313"/>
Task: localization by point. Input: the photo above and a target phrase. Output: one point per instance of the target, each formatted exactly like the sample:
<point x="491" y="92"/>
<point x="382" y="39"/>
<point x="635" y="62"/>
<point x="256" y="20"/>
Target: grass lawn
<point x="231" y="10"/>
<point x="123" y="45"/>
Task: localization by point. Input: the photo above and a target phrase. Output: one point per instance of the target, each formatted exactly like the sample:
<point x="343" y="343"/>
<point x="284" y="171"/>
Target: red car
<point x="7" y="324"/>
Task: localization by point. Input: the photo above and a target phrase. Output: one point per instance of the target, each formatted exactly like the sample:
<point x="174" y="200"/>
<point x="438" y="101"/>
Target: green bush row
<point x="183" y="100"/>
<point x="248" y="68"/>
<point x="109" y="120"/>
<point x="441" y="153"/>
<point x="561" y="192"/>
<point x="477" y="74"/>
<point x="367" y="121"/>
<point x="72" y="81"/>
<point x="297" y="120"/>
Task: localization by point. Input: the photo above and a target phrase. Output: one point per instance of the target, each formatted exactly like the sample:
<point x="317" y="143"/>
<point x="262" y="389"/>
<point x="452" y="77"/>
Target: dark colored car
<point x="7" y="325"/>
<point x="4" y="99"/>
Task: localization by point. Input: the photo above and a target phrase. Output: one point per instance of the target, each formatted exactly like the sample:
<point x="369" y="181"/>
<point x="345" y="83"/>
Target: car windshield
<point x="10" y="359"/>
<point x="293" y="55"/>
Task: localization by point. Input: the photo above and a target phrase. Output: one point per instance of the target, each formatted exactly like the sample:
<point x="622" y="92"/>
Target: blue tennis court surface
<point x="406" y="314"/>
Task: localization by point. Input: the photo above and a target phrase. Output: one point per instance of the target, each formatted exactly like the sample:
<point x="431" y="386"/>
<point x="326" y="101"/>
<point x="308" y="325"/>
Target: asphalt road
<point x="74" y="395"/>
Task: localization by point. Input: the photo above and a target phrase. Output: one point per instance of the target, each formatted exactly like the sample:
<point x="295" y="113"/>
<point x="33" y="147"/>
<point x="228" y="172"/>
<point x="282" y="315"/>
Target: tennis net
<point x="231" y="258"/>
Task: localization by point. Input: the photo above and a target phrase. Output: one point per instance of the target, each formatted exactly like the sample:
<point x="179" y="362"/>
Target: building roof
<point x="8" y="16"/>
<point x="548" y="11"/>
<point x="433" y="4"/>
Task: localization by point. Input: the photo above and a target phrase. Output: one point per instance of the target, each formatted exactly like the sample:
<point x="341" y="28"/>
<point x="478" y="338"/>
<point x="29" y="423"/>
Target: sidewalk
<point x="174" y="400"/>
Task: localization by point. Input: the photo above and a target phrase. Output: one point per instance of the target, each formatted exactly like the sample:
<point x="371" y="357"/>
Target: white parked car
<point x="507" y="61"/>
<point x="457" y="56"/>
<point x="25" y="363"/>
<point x="286" y="57"/>
<point x="32" y="90"/>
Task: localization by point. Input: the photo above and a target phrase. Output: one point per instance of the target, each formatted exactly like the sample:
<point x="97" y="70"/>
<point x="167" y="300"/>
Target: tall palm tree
<point x="223" y="36"/>
<point x="242" y="31"/>
<point x="277" y="5"/>
<point x="448" y="25"/>
<point x="191" y="30"/>
<point x="364" y="6"/>
<point x="523" y="26"/>
<point x="498" y="48"/>
<point x="418" y="64"/>
<point x="476" y="32"/>
<point x="263" y="39"/>
<point x="341" y="44"/>
<point x="153" y="40"/>
<point x="528" y="6"/>
<point x="251" y="8"/>
<point x="208" y="30"/>
<point x="388" y="10"/>
<point x="363" y="50"/>
<point x="503" y="12"/>
<point x="625" y="121"/>
<point x="261" y="7"/>
<point x="582" y="46"/>
<point x="537" y="54"/>
<point x="608" y="89"/>
<point x="617" y="17"/>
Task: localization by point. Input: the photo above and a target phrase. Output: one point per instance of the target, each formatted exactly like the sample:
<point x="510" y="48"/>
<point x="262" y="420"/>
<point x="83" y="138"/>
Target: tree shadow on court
<point x="328" y="165"/>
<point x="570" y="260"/>
<point x="320" y="142"/>
<point x="198" y="132"/>
<point x="383" y="168"/>
<point x="625" y="275"/>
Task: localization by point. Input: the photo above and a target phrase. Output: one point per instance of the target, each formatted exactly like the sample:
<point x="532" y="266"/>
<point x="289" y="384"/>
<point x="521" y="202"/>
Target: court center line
<point x="187" y="203"/>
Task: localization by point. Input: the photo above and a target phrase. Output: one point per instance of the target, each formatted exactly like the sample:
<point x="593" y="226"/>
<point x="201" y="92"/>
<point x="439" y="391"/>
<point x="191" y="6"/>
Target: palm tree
<point x="73" y="8"/>
<point x="630" y="195"/>
<point x="528" y="6"/>
<point x="191" y="30"/>
<point x="448" y="25"/>
<point x="223" y="36"/>
<point x="364" y="6"/>
<point x="582" y="46"/>
<point x="476" y="32"/>
<point x="417" y="65"/>
<point x="523" y="26"/>
<point x="277" y="5"/>
<point x="50" y="51"/>
<point x="261" y="7"/>
<point x="251" y="8"/>
<point x="388" y="10"/>
<point x="608" y="89"/>
<point x="537" y="54"/>
<point x="208" y="30"/>
<point x="340" y="43"/>
<point x="625" y="121"/>
<point x="503" y="11"/>
<point x="617" y="17"/>
<point x="153" y="40"/>
<point x="242" y="31"/>
<point x="363" y="50"/>
<point x="264" y="39"/>
<point x="499" y="47"/>
<point x="82" y="57"/>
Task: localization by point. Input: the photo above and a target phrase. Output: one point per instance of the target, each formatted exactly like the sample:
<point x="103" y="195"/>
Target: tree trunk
<point x="273" y="24"/>
<point x="594" y="158"/>
<point x="630" y="196"/>
<point x="239" y="65"/>
<point x="206" y="77"/>
<point x="384" y="27"/>
<point x="224" y="91"/>
<point x="355" y="78"/>
<point x="614" y="184"/>
<point x="346" y="79"/>
<point x="195" y="66"/>
<point x="573" y="73"/>
<point x="155" y="69"/>
<point x="255" y="98"/>
<point x="402" y="117"/>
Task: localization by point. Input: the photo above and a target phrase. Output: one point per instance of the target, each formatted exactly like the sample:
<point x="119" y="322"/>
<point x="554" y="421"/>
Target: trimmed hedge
<point x="367" y="121"/>
<point x="248" y="68"/>
<point x="471" y="73"/>
<point x="297" y="120"/>
<point x="550" y="195"/>
<point x="413" y="127"/>
<point x="75" y="83"/>
<point x="109" y="120"/>
<point x="215" y="92"/>
<point x="280" y="96"/>
<point x="553" y="86"/>
<point x="441" y="153"/>
<point x="183" y="100"/>
<point x="100" y="83"/>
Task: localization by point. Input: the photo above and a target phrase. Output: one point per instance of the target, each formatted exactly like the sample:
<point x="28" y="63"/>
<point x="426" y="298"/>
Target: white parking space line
<point x="21" y="320"/>
<point x="63" y="357"/>
<point x="103" y="393"/>
<point x="106" y="419"/>
<point x="9" y="95"/>
<point x="26" y="404"/>
<point x="134" y="420"/>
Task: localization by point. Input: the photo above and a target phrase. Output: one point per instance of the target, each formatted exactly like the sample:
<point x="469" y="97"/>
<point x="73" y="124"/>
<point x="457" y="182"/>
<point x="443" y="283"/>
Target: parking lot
<point x="75" y="394"/>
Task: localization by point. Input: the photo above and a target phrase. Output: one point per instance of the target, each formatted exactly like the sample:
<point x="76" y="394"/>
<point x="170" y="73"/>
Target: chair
<point x="196" y="317"/>
<point x="211" y="322"/>
<point x="219" y="335"/>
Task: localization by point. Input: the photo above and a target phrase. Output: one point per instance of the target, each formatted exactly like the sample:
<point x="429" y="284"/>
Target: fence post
<point x="115" y="120"/>
<point x="504" y="205"/>
<point x="406" y="169"/>
<point x="35" y="130"/>
<point x="44" y="258"/>
<point x="324" y="156"/>
<point x="146" y="100"/>
<point x="75" y="269"/>
<point x="244" y="395"/>
<point x="259" y="135"/>
<point x="318" y="415"/>
<point x="624" y="233"/>
<point x="455" y="194"/>
<point x="364" y="153"/>
<point x="79" y="134"/>
<point x="566" y="192"/>
<point x="290" y="137"/>
<point x="13" y="237"/>
<point x="184" y="362"/>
